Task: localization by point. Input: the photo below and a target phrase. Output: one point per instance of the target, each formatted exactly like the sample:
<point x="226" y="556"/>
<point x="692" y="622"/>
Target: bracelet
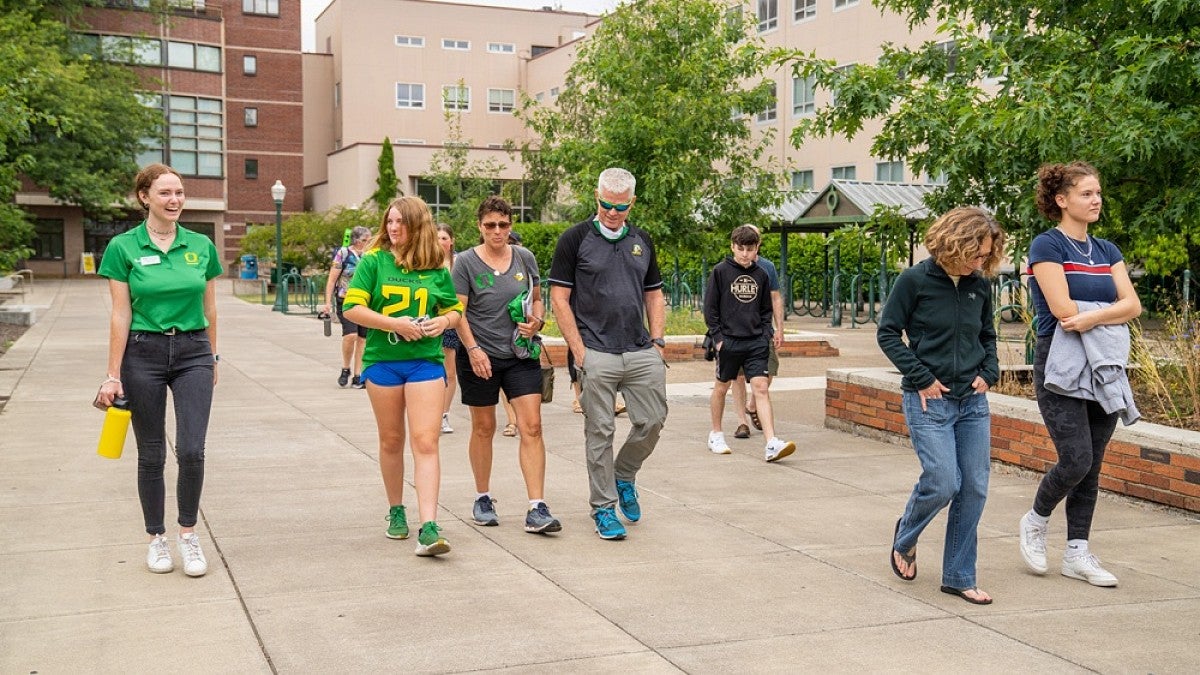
<point x="108" y="379"/>
<point x="475" y="347"/>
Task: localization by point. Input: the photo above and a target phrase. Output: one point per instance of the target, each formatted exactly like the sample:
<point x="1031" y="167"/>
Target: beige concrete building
<point x="396" y="67"/>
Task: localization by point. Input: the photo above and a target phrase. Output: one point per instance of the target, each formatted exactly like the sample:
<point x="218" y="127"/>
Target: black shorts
<point x="748" y="355"/>
<point x="517" y="377"/>
<point x="348" y="326"/>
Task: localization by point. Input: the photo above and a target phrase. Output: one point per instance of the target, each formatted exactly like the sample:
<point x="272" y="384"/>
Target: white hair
<point x="617" y="181"/>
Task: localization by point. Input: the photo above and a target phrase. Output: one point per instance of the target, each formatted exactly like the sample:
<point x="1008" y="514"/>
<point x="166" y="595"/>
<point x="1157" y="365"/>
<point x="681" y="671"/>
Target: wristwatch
<point x="660" y="342"/>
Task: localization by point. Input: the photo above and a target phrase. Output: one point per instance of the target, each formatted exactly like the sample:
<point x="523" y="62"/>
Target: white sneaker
<point x="1087" y="568"/>
<point x="778" y="449"/>
<point x="194" y="564"/>
<point x="158" y="556"/>
<point x="716" y="443"/>
<point x="1033" y="545"/>
<point x="446" y="429"/>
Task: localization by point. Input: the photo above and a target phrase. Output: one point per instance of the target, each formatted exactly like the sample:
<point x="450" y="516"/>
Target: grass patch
<point x="679" y="322"/>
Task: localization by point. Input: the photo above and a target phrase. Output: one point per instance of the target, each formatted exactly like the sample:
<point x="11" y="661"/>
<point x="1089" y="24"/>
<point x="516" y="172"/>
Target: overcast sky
<point x="311" y="8"/>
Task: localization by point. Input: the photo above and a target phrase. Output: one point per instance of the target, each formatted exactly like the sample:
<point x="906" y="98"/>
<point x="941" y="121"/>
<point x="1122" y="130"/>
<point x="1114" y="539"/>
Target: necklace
<point x="168" y="233"/>
<point x="1075" y="245"/>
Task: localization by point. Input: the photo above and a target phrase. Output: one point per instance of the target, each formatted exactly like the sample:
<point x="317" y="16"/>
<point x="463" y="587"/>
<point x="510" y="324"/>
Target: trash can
<point x="249" y="267"/>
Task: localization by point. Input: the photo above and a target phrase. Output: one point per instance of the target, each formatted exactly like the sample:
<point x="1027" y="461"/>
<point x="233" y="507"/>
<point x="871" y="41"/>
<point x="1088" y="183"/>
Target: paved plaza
<point x="738" y="566"/>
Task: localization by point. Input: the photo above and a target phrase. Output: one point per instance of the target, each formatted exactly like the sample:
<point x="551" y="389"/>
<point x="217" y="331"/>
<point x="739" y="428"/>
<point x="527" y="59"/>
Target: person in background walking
<point x="354" y="337"/>
<point x="1069" y="266"/>
<point x="607" y="294"/>
<point x="163" y="335"/>
<point x="403" y="294"/>
<point x="943" y="306"/>
<point x="450" y="336"/>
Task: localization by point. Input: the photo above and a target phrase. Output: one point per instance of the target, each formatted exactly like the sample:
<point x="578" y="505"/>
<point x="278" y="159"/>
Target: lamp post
<point x="278" y="192"/>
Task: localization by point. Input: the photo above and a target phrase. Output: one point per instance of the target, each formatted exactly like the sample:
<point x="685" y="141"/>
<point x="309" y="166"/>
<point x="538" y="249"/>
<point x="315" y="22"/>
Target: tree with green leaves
<point x="1010" y="86"/>
<point x="388" y="184"/>
<point x="70" y="122"/>
<point x="657" y="90"/>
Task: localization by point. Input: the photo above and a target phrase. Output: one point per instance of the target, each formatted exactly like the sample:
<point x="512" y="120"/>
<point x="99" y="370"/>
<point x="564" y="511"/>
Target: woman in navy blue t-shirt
<point x="1069" y="265"/>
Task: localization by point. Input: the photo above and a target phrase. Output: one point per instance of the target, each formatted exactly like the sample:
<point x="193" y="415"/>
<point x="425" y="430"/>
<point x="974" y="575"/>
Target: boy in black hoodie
<point x="737" y="310"/>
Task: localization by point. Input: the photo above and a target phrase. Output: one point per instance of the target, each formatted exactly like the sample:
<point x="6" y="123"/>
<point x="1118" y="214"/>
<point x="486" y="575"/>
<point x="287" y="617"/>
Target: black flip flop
<point x="909" y="558"/>
<point x="962" y="593"/>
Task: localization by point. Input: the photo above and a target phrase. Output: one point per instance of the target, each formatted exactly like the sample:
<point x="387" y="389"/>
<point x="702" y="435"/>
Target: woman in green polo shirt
<point x="163" y="335"/>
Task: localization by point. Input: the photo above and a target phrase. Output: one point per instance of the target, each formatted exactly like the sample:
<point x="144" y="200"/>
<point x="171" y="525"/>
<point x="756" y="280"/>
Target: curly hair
<point x="419" y="250"/>
<point x="493" y="204"/>
<point x="954" y="239"/>
<point x="1057" y="179"/>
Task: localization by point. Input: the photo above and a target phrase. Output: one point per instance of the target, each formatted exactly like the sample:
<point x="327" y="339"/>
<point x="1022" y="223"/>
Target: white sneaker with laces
<point x="194" y="564"/>
<point x="778" y="448"/>
<point x="1087" y="568"/>
<point x="446" y="429"/>
<point x="158" y="556"/>
<point x="716" y="443"/>
<point x="1033" y="545"/>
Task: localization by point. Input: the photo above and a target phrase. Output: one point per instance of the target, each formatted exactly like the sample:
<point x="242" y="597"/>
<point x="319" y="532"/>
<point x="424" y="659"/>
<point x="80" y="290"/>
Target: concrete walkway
<point x="737" y="566"/>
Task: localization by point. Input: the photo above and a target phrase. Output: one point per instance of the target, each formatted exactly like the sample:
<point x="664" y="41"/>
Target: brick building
<point x="228" y="79"/>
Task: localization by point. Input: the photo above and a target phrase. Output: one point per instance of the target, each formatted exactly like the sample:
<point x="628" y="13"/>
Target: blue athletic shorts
<point x="400" y="373"/>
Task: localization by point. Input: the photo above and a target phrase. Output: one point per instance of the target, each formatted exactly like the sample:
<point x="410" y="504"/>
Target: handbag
<point x="547" y="377"/>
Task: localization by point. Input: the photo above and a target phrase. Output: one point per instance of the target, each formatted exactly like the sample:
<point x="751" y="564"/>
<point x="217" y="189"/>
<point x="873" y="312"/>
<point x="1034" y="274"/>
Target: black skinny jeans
<point x="1080" y="430"/>
<point x="184" y="363"/>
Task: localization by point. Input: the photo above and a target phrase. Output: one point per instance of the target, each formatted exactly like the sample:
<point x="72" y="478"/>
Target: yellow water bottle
<point x="116" y="426"/>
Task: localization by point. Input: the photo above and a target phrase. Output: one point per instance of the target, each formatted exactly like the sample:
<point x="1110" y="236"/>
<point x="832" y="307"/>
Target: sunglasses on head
<point x="619" y="208"/>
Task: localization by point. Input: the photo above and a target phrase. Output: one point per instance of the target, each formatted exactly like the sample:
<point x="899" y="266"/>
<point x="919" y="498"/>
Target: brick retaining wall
<point x="691" y="348"/>
<point x="1148" y="461"/>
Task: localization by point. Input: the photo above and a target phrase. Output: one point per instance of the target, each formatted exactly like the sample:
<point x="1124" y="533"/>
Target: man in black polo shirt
<point x="604" y="279"/>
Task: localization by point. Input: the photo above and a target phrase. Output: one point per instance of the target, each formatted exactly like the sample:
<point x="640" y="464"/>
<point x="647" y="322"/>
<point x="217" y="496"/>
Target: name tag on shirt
<point x="150" y="260"/>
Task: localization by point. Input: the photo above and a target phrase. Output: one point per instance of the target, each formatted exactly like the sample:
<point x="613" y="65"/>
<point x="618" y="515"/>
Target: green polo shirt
<point x="166" y="289"/>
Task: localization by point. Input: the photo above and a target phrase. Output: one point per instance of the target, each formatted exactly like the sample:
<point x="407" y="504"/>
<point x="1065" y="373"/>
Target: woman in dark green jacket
<point x="943" y="306"/>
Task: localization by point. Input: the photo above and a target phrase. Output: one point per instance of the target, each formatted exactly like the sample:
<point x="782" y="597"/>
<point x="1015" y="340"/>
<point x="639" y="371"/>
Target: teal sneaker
<point x="627" y="498"/>
<point x="607" y="525"/>
<point x="397" y="523"/>
<point x="430" y="542"/>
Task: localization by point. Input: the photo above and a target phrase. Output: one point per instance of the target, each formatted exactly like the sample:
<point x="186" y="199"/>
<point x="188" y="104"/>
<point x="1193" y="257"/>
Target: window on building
<point x="456" y="97"/>
<point x="501" y="100"/>
<point x="120" y="49"/>
<point x="440" y="200"/>
<point x="250" y="65"/>
<point x="841" y="4"/>
<point x="540" y="96"/>
<point x="950" y="49"/>
<point x="181" y="55"/>
<point x="502" y="48"/>
<point x="553" y="92"/>
<point x="840" y="69"/>
<point x="48" y="239"/>
<point x="337" y="94"/>
<point x="457" y="45"/>
<point x="889" y="172"/>
<point x="843" y="173"/>
<point x="804" y="100"/>
<point x="251" y="168"/>
<point x="264" y="7"/>
<point x="410" y="95"/>
<point x="152" y="147"/>
<point x="538" y="50"/>
<point x="251" y="117"/>
<point x="195" y="140"/>
<point x="768" y="15"/>
<point x="769" y="114"/>
<point x="410" y="41"/>
<point x="805" y="9"/>
<point x="802" y="180"/>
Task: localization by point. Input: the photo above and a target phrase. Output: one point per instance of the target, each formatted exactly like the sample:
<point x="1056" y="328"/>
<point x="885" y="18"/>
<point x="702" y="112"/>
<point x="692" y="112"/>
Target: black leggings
<point x="1080" y="430"/>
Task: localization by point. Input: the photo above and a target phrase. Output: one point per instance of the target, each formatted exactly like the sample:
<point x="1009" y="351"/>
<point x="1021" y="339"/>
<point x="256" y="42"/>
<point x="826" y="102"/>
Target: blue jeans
<point x="953" y="439"/>
<point x="183" y="363"/>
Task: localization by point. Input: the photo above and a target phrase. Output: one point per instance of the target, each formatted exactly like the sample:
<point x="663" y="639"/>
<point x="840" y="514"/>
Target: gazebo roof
<point x="847" y="202"/>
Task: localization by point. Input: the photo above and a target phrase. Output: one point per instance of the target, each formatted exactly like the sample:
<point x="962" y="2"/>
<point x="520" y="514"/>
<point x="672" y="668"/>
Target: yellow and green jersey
<point x="380" y="284"/>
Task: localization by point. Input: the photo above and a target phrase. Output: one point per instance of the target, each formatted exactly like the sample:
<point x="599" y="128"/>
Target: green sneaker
<point x="397" y="523"/>
<point x="429" y="542"/>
